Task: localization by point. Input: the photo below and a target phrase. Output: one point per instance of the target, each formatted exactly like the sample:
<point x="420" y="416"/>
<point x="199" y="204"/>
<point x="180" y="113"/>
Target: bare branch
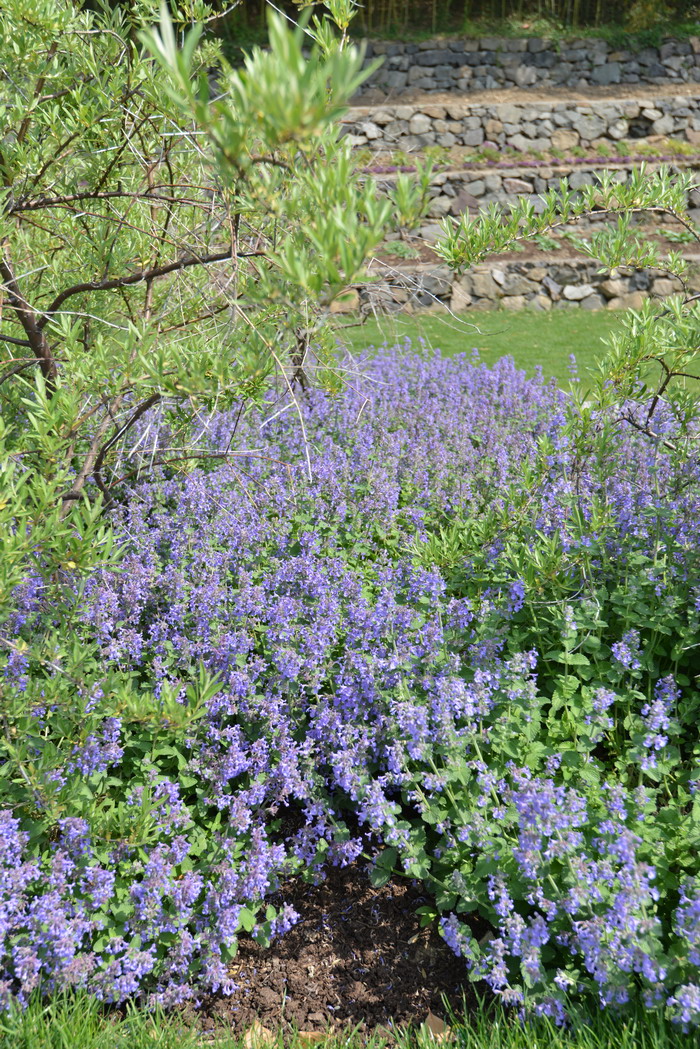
<point x="140" y="275"/>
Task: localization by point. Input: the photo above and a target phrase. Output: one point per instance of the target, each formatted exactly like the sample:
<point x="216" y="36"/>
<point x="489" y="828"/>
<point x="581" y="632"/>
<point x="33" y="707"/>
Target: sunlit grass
<point x="546" y="340"/>
<point x="78" y="1022"/>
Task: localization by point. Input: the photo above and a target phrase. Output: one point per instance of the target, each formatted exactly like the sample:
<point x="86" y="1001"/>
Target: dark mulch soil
<point x="357" y="958"/>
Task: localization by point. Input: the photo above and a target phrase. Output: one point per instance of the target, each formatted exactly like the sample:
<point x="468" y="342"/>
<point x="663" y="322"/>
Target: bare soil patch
<point x="592" y="93"/>
<point x="358" y="958"/>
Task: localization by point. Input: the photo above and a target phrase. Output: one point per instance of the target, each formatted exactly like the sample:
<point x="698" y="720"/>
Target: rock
<point x="593" y="302"/>
<point x="614" y="288"/>
<point x="434" y="112"/>
<point x="618" y="129"/>
<point x="663" y="286"/>
<point x="419" y="124"/>
<point x="435" y="281"/>
<point x="633" y="301"/>
<point x="431" y="232"/>
<point x="440" y="206"/>
<point x="474" y="137"/>
<point x="564" y="140"/>
<point x="477" y="188"/>
<point x="370" y="130"/>
<point x="520" y="142"/>
<point x="513" y="302"/>
<point x="589" y="126"/>
<point x="607" y="73"/>
<point x="446" y="140"/>
<point x="484" y="285"/>
<point x="493" y="127"/>
<point x="395" y="80"/>
<point x="524" y="76"/>
<point x="515" y="284"/>
<point x="509" y="114"/>
<point x="499" y="276"/>
<point x="461" y="298"/>
<point x="516" y="185"/>
<point x="664" y="125"/>
<point x="553" y="289"/>
<point x="541" y="302"/>
<point x="576" y="292"/>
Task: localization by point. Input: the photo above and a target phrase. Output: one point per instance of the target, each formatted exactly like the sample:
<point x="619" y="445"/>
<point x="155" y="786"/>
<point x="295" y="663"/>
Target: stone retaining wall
<point x="564" y="284"/>
<point x="453" y="192"/>
<point x="526" y="126"/>
<point x="493" y="62"/>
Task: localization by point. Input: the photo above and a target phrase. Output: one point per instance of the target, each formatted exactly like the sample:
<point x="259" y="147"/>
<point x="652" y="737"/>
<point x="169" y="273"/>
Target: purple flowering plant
<point x="465" y="649"/>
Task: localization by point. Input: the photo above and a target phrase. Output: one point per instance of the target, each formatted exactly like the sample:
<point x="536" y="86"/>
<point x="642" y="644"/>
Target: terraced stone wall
<point x="494" y="62"/>
<point x="538" y="126"/>
<point x="453" y="192"/>
<point x="566" y="284"/>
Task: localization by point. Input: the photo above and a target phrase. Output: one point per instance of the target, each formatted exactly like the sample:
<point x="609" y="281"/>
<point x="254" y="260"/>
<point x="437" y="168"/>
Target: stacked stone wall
<point x="497" y="62"/>
<point x="529" y="126"/>
<point x="551" y="285"/>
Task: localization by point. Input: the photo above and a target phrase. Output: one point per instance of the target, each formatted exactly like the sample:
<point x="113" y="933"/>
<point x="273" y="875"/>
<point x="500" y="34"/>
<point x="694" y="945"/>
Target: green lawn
<point x="532" y="339"/>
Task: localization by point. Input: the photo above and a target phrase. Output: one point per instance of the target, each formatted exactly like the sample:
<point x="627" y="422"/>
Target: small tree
<point x="165" y="242"/>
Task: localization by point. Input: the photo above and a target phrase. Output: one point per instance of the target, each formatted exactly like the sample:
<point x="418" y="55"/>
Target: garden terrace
<point x="532" y="63"/>
<point x="531" y="125"/>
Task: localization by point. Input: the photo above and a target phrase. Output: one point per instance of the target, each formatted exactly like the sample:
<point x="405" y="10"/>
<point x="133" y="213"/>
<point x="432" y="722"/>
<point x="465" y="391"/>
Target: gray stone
<point x="553" y="289"/>
<point x="419" y="124"/>
<point x="516" y="284"/>
<point x="477" y="188"/>
<point x="593" y="302"/>
<point x="516" y="186"/>
<point x="396" y="80"/>
<point x="509" y="114"/>
<point x="474" y="137"/>
<point x="576" y="292"/>
<point x="589" y="127"/>
<point x="439" y="207"/>
<point x="484" y="285"/>
<point x="619" y="129"/>
<point x="664" y="125"/>
<point x="607" y="73"/>
<point x="524" y="76"/>
<point x="536" y="43"/>
<point x="370" y="130"/>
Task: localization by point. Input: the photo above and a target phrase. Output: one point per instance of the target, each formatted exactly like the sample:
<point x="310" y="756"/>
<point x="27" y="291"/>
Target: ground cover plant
<point x="433" y="614"/>
<point x="468" y="645"/>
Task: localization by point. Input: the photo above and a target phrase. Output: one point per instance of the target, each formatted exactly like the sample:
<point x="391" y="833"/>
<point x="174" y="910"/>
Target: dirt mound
<point x="357" y="958"/>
